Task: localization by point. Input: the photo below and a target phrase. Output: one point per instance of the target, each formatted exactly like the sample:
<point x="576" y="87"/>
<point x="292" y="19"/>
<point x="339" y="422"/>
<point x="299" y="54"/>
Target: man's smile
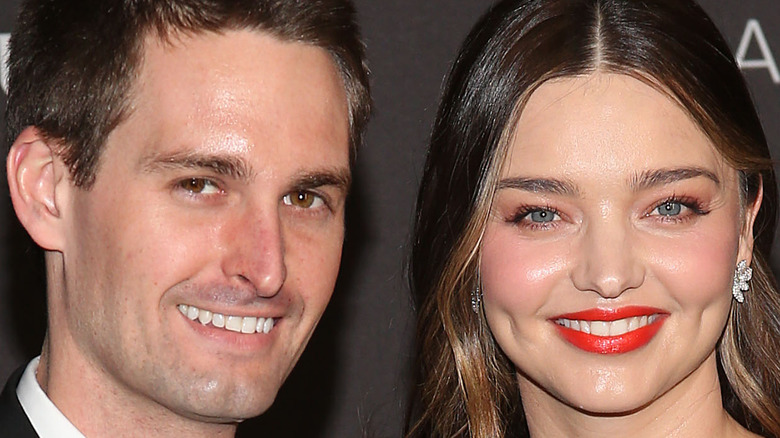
<point x="234" y="323"/>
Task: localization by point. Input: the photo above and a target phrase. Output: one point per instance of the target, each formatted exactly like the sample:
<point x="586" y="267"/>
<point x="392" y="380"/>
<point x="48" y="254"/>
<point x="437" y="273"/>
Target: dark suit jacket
<point x="13" y="420"/>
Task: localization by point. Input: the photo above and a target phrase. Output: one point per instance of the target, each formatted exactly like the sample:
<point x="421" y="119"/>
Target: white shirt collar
<point x="45" y="418"/>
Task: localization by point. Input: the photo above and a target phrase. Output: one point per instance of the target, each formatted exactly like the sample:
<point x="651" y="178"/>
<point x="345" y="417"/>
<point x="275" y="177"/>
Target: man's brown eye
<point x="199" y="186"/>
<point x="194" y="185"/>
<point x="302" y="199"/>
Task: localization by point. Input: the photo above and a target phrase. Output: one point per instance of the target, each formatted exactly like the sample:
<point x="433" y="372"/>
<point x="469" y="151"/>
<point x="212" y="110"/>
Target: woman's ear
<point x="749" y="214"/>
<point x="35" y="174"/>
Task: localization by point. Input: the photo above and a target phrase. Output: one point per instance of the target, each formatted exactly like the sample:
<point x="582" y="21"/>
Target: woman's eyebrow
<point x="658" y="177"/>
<point x="540" y="185"/>
<point x="640" y="181"/>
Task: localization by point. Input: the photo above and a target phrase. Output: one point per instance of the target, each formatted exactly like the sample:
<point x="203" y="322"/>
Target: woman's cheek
<point x="518" y="274"/>
<point x="695" y="269"/>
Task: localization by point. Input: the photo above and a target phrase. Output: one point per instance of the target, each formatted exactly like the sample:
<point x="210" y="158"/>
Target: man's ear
<point x="749" y="214"/>
<point x="35" y="175"/>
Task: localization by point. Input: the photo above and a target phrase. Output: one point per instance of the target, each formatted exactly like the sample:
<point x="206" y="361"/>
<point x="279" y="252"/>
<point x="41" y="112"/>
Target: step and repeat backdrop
<point x="353" y="378"/>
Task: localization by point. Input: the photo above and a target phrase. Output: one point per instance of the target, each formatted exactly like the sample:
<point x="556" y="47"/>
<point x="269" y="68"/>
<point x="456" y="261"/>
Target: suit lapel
<point x="13" y="420"/>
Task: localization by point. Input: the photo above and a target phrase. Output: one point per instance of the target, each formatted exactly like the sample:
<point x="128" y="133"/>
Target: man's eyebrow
<point x="539" y="185"/>
<point x="220" y="164"/>
<point x="654" y="178"/>
<point x="341" y="178"/>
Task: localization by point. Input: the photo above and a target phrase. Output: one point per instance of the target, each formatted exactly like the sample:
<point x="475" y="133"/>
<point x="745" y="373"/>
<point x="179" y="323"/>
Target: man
<point x="184" y="164"/>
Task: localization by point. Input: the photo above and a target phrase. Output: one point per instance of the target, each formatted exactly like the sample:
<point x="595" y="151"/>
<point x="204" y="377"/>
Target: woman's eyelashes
<point x="671" y="210"/>
<point x="535" y="218"/>
<point x="677" y="209"/>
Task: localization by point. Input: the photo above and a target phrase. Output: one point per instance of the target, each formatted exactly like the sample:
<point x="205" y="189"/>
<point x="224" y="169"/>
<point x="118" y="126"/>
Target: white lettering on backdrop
<point x="753" y="32"/>
<point x="3" y="59"/>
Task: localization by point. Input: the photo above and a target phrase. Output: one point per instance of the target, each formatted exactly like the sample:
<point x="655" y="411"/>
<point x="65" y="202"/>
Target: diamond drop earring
<point x="742" y="276"/>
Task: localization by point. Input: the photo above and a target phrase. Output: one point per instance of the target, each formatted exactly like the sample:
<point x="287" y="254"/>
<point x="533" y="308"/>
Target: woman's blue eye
<point x="541" y="216"/>
<point x="670" y="208"/>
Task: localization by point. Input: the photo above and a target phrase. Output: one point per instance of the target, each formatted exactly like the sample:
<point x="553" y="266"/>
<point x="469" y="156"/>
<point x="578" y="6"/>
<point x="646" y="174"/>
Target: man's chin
<point x="232" y="414"/>
<point x="221" y="399"/>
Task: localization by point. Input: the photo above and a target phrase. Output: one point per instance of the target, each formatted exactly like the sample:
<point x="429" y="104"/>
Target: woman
<point x="597" y="190"/>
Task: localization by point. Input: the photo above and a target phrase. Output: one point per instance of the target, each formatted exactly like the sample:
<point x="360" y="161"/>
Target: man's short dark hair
<point x="72" y="64"/>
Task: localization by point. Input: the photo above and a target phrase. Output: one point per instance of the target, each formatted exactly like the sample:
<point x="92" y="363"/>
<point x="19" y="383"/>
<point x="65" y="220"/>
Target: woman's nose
<point x="607" y="259"/>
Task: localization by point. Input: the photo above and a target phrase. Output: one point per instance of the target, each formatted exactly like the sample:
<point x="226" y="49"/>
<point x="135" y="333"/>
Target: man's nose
<point x="256" y="252"/>
<point x="606" y="260"/>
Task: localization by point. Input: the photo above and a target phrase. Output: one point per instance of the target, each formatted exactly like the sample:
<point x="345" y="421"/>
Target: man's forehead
<point x="225" y="57"/>
<point x="225" y="94"/>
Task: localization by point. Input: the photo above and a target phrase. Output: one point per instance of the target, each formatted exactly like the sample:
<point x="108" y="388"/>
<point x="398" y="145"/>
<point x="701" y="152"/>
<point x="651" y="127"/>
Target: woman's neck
<point x="692" y="408"/>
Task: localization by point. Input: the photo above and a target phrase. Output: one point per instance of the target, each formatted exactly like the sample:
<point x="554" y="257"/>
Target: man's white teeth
<point x="192" y="313"/>
<point x="608" y="328"/>
<point x="249" y="324"/>
<point x="204" y="316"/>
<point x="233" y="323"/>
<point x="241" y="324"/>
<point x="268" y="324"/>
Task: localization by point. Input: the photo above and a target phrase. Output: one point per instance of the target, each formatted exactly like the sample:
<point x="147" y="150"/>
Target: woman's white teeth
<point x="242" y="324"/>
<point x="608" y="328"/>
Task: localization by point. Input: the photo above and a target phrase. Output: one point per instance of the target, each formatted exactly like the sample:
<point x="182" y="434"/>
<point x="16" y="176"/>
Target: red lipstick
<point x="622" y="343"/>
